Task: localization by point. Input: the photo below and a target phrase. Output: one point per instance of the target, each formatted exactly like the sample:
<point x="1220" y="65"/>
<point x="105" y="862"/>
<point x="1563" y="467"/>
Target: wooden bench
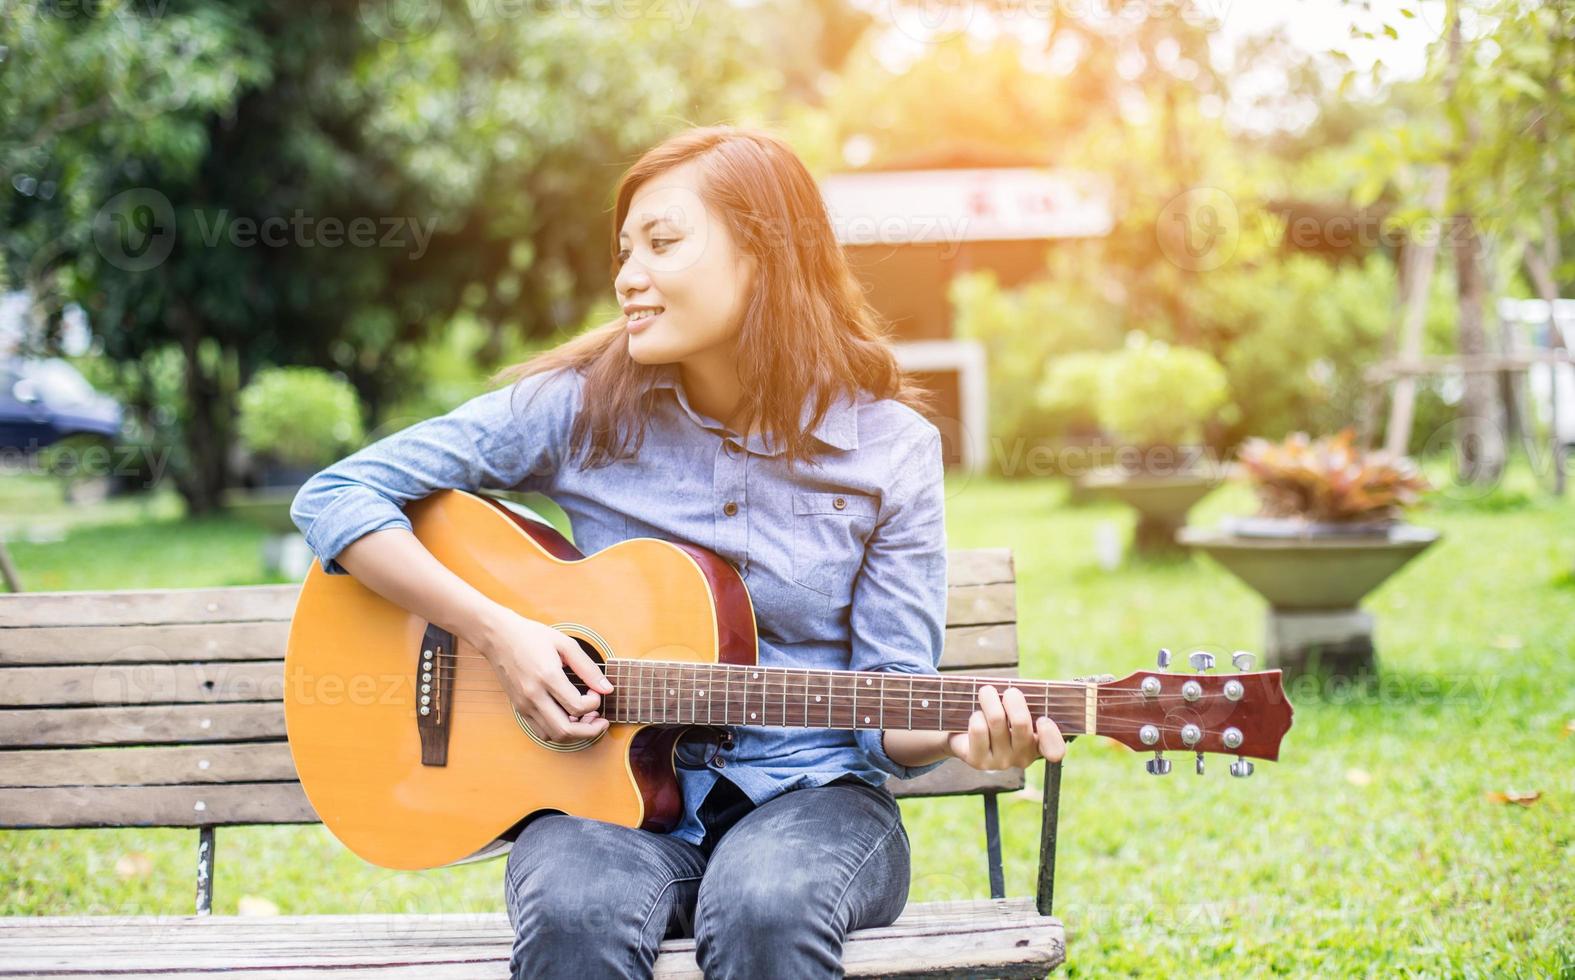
<point x="162" y="708"/>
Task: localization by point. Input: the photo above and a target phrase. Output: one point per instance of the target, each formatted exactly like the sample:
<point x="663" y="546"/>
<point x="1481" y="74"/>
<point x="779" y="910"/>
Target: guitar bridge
<point x="434" y="694"/>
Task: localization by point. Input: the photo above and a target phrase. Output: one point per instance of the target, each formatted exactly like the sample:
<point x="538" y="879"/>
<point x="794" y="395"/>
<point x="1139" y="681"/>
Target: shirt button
<point x="730" y="508"/>
<point x="839" y="503"/>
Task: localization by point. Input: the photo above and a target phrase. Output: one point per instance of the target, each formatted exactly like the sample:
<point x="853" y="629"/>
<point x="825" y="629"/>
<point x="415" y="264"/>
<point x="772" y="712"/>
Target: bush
<point x="1023" y="331"/>
<point x="299" y="416"/>
<point x="1156" y="394"/>
<point x="1293" y="333"/>
<point x="1147" y="394"/>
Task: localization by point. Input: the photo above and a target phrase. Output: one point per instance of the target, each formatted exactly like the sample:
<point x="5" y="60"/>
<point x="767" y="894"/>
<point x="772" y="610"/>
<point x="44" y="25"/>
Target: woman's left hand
<point x="1002" y="734"/>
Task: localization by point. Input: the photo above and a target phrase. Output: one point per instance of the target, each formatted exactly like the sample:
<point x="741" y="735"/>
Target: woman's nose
<point x="631" y="278"/>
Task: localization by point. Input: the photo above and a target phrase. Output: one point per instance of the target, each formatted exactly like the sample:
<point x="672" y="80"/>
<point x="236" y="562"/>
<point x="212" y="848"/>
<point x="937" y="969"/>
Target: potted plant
<point x="1155" y="399"/>
<point x="292" y="422"/>
<point x="1328" y="532"/>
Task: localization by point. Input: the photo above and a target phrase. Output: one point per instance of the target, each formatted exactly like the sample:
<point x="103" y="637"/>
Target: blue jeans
<point x="776" y="897"/>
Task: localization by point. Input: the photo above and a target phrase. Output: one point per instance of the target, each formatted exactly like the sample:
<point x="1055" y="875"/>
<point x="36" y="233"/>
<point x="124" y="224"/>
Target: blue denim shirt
<point x="861" y="586"/>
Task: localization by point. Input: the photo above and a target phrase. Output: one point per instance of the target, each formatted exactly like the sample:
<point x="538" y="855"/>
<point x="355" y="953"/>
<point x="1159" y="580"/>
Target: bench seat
<point x="989" y="938"/>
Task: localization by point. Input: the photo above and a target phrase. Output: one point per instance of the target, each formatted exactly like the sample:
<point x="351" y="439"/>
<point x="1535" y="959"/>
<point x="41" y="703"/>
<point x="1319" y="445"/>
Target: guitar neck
<point x="669" y="693"/>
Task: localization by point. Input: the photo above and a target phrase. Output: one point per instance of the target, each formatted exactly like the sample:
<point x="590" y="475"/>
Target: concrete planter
<point x="1162" y="502"/>
<point x="1313" y="578"/>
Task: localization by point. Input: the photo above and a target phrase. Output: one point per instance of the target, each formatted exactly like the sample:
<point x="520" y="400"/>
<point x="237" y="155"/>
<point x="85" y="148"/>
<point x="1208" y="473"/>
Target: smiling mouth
<point x="641" y="318"/>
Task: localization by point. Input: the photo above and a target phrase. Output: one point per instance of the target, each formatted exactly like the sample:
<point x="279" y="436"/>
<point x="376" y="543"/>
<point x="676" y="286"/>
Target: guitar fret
<point x="807" y="676"/>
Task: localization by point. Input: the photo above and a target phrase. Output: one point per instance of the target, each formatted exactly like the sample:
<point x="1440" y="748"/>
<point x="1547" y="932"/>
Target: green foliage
<point x="1158" y="394"/>
<point x="144" y="139"/>
<point x="1072" y="388"/>
<point x="1149" y="393"/>
<point x="1024" y="330"/>
<point x="299" y="416"/>
<point x="1293" y="332"/>
<point x="1296" y="332"/>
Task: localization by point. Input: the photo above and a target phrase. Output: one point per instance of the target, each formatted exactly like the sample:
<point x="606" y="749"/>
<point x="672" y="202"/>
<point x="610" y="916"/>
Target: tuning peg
<point x="1158" y="766"/>
<point x="1241" y="768"/>
<point x="1163" y="658"/>
<point x="1200" y="763"/>
<point x="1242" y="660"/>
<point x="1201" y="660"/>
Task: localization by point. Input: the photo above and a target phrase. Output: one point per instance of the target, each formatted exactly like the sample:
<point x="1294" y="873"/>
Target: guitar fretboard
<point x="668" y="693"/>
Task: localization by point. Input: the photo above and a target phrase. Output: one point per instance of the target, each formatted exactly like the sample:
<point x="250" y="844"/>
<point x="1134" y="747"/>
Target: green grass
<point x="1372" y="848"/>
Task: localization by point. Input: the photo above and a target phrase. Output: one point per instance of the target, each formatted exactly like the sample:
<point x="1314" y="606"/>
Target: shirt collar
<point x="838" y="427"/>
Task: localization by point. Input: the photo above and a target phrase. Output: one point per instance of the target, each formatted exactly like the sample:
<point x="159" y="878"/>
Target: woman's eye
<point x="656" y="243"/>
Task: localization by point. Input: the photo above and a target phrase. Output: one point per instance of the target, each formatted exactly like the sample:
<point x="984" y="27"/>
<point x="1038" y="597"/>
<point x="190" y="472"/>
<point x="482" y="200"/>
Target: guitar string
<point x="1073" y="695"/>
<point x="1078" y="701"/>
<point x="1104" y="723"/>
<point x="1072" y="689"/>
<point x="1109" y="730"/>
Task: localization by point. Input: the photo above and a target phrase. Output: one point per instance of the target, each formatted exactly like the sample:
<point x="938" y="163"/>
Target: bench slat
<point x="137" y="725"/>
<point x="241" y="762"/>
<point x="149" y="607"/>
<point x="211" y="805"/>
<point x="45" y="646"/>
<point x="972" y="605"/>
<point x="979" y="566"/>
<point x="51" y="645"/>
<point x="955" y="777"/>
<point x="999" y="938"/>
<point x="972" y="647"/>
<point x="252" y="680"/>
<point x="966" y="568"/>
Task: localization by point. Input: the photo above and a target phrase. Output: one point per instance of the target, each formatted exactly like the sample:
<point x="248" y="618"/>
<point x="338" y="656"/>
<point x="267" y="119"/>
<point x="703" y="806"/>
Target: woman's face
<point x="679" y="258"/>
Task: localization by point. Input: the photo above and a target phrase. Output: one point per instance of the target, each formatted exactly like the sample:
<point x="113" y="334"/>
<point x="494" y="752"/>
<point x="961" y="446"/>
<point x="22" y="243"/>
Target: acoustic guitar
<point x="414" y="757"/>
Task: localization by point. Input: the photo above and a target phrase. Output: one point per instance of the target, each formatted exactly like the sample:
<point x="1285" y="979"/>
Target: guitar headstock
<point x="1244" y="714"/>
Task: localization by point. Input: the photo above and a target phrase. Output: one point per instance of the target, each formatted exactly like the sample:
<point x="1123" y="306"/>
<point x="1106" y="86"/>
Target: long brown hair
<point x="806" y="328"/>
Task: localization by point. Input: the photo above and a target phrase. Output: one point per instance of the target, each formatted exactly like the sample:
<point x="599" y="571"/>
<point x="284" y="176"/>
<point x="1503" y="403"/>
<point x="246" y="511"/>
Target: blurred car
<point x="44" y="400"/>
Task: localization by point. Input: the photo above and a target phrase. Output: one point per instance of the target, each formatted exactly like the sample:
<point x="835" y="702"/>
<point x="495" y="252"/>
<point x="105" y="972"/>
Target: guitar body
<point x="401" y="797"/>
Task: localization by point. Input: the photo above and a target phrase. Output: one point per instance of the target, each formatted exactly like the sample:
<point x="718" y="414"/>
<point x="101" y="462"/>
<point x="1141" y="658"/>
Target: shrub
<point x="1147" y="394"/>
<point x="299" y="416"/>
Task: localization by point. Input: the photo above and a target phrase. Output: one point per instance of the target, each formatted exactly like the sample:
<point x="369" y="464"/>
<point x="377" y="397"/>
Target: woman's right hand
<point x="529" y="658"/>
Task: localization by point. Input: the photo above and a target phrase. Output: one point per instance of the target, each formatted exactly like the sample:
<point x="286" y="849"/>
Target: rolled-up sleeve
<point x="514" y="437"/>
<point x="898" y="616"/>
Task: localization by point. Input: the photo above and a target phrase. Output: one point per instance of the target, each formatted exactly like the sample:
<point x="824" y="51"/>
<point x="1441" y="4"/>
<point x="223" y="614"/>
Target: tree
<point x="244" y="182"/>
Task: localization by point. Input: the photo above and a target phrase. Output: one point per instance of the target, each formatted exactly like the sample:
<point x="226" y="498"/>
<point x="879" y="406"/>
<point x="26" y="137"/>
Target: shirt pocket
<point x="829" y="533"/>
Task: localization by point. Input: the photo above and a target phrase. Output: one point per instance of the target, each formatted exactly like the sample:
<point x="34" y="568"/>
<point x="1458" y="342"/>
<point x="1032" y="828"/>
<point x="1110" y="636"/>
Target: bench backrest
<point x="164" y="707"/>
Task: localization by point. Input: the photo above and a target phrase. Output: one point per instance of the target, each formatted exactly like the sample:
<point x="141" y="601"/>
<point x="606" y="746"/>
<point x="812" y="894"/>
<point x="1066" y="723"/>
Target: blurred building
<point x="909" y="227"/>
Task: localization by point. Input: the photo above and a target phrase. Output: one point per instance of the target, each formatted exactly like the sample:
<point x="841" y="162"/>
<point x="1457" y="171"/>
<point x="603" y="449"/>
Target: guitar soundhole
<point x="572" y="745"/>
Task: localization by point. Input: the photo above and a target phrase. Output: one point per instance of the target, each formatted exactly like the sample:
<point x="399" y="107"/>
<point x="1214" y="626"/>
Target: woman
<point x="747" y="403"/>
